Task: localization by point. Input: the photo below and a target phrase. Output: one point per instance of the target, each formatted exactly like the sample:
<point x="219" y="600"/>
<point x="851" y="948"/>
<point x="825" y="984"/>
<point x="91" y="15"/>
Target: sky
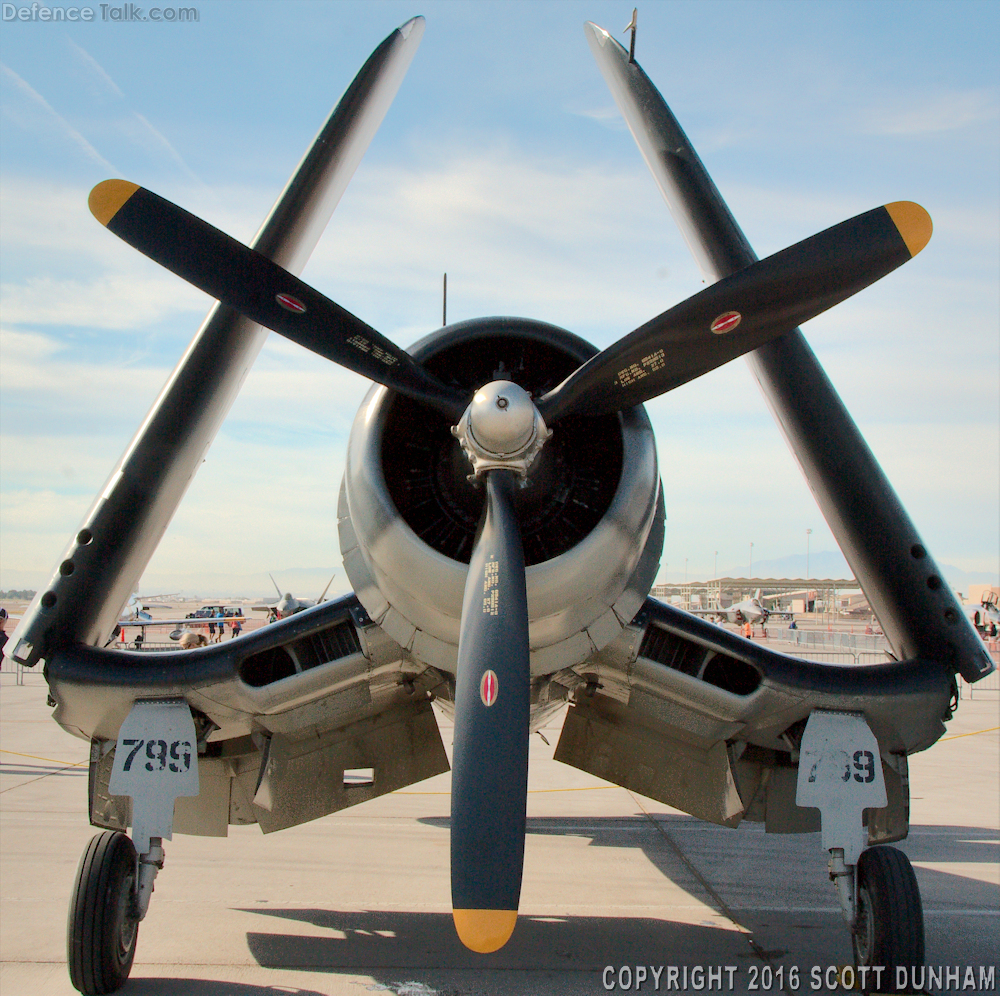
<point x="504" y="162"/>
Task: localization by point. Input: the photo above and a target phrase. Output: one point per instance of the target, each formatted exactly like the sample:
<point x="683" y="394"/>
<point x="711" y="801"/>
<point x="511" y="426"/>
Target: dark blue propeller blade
<point x="261" y="290"/>
<point x="767" y="299"/>
<point x="490" y="762"/>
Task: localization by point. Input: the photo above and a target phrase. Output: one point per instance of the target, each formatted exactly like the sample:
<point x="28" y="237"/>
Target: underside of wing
<point x="321" y="711"/>
<point x="693" y="716"/>
<point x="296" y="720"/>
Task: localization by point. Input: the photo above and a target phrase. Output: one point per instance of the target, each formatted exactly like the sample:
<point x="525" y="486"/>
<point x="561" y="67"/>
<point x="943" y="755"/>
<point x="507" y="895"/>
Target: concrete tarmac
<point x="358" y="902"/>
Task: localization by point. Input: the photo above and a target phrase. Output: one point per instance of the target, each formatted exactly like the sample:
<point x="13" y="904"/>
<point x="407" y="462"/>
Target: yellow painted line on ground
<point x="975" y="733"/>
<point x="69" y="764"/>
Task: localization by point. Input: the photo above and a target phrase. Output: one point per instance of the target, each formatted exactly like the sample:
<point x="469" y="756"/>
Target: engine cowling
<point x="590" y="512"/>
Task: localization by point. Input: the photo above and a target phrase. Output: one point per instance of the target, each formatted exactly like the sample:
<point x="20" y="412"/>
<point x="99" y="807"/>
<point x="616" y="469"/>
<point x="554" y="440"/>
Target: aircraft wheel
<point x="889" y="929"/>
<point x="103" y="925"/>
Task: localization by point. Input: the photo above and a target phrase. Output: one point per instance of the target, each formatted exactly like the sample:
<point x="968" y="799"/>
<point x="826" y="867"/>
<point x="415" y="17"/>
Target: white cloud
<point x="927" y="114"/>
<point x="556" y="240"/>
<point x="111" y="302"/>
<point x="35" y="370"/>
<point x="53" y="119"/>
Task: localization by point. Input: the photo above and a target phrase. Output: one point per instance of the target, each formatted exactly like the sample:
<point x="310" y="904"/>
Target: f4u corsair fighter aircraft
<point x="501" y="522"/>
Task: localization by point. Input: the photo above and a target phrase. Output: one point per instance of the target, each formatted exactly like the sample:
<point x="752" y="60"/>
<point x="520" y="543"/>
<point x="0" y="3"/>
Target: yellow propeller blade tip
<point x="108" y="196"/>
<point x="484" y="931"/>
<point x="913" y="222"/>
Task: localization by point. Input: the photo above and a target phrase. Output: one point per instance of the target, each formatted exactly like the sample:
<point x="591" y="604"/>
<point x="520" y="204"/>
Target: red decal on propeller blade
<point x="290" y="303"/>
<point x="489" y="688"/>
<point x="726" y="322"/>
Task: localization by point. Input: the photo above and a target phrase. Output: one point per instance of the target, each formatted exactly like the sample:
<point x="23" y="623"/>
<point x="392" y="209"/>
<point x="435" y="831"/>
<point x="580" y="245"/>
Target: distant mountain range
<point x="830" y="564"/>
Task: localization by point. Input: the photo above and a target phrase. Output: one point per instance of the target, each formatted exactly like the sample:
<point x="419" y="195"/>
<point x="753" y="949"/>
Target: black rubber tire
<point x="889" y="929"/>
<point x="103" y="926"/>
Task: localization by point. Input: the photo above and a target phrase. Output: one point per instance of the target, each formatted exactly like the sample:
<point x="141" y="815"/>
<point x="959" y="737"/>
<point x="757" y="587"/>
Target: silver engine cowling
<point x="590" y="511"/>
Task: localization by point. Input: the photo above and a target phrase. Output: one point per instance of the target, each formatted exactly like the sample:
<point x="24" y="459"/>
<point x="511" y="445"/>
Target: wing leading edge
<point x="102" y="564"/>
<point x="917" y="609"/>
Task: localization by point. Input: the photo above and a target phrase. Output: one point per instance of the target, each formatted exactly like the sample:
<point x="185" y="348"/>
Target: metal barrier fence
<point x="823" y="656"/>
<point x="19" y="673"/>
<point x="12" y="667"/>
<point x="987" y="685"/>
<point x="854" y="642"/>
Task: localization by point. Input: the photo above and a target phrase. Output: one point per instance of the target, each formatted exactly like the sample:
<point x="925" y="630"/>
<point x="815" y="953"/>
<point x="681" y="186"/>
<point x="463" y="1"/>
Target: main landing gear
<point x="889" y="918"/>
<point x="110" y="897"/>
<point x="840" y="773"/>
<point x="156" y="761"/>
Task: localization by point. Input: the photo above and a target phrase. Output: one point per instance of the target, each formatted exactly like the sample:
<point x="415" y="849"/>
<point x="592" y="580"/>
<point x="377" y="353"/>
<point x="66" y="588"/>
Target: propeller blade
<point x="261" y="290"/>
<point x="490" y="759"/>
<point x="765" y="300"/>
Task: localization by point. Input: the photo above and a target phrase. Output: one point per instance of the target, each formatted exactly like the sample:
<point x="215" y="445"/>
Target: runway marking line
<point x="64" y="766"/>
<point x="52" y="760"/>
<point x="975" y="733"/>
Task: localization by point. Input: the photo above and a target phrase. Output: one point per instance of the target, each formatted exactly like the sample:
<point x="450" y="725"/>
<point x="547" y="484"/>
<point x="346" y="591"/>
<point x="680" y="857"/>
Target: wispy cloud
<point x="160" y="141"/>
<point x="607" y="115"/>
<point x="108" y="302"/>
<point x="55" y="118"/>
<point x="927" y="115"/>
<point x="95" y="68"/>
<point x="142" y="131"/>
<point x="562" y="241"/>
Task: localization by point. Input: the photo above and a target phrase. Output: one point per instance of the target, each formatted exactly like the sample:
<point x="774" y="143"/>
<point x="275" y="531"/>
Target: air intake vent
<point x="275" y="663"/>
<point x="329" y="644"/>
<point x="675" y="652"/>
<point x="267" y="667"/>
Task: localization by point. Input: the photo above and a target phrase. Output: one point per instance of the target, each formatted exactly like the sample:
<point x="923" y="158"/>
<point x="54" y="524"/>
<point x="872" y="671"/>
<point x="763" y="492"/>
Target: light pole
<point x="808" y="534"/>
<point x="751" y="558"/>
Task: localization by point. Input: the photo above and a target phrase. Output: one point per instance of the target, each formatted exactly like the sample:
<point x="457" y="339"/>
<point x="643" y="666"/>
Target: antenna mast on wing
<point x="631" y="27"/>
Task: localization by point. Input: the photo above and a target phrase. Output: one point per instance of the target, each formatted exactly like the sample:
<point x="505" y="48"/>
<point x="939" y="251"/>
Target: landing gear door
<point x="156" y="760"/>
<point x="840" y="773"/>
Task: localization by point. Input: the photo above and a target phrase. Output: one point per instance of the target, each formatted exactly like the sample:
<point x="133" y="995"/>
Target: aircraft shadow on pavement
<point x="369" y="940"/>
<point x="41" y="770"/>
<point x="739" y="866"/>
<point x="207" y="987"/>
<point x="741" y="862"/>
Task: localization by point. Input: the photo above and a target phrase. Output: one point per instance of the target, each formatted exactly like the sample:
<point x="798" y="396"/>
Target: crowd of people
<point x="217" y="627"/>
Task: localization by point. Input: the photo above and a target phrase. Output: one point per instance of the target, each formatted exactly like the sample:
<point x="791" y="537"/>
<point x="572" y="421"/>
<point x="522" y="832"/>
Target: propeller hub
<point x="502" y="418"/>
<point x="501" y="428"/>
